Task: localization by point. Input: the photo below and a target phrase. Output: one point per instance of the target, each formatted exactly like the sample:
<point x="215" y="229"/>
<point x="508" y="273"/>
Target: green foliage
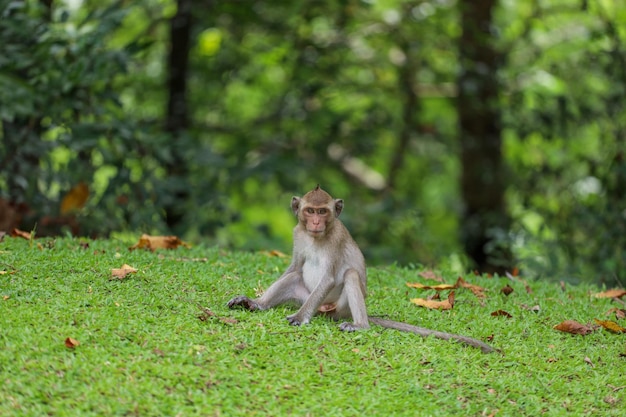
<point x="283" y="95"/>
<point x="162" y="342"/>
<point x="565" y="137"/>
<point x="57" y="99"/>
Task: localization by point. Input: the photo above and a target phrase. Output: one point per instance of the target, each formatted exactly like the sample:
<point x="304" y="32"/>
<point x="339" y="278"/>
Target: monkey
<point x="327" y="274"/>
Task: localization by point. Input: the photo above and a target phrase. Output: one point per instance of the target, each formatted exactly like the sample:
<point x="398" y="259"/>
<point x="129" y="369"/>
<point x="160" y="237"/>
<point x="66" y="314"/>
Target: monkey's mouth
<point x="315" y="232"/>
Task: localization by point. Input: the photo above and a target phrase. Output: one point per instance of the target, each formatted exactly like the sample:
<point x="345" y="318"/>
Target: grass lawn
<point x="161" y="342"/>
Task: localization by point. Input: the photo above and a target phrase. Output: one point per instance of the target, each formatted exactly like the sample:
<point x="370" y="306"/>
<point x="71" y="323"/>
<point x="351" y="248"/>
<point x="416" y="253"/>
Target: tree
<point x="177" y="114"/>
<point x="485" y="222"/>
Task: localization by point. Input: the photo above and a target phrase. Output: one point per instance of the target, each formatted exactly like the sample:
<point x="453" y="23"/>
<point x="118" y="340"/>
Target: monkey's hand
<point x="245" y="302"/>
<point x="296" y="320"/>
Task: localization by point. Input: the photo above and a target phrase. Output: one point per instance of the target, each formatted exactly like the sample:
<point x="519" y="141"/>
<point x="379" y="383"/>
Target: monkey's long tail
<point x="404" y="327"/>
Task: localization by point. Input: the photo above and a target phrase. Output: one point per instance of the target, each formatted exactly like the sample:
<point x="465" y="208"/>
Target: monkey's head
<point x="316" y="211"/>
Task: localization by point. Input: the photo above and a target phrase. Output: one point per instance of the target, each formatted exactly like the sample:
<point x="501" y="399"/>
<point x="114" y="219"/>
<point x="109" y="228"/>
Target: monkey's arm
<point x="287" y="288"/>
<point x="313" y="301"/>
<point x="428" y="332"/>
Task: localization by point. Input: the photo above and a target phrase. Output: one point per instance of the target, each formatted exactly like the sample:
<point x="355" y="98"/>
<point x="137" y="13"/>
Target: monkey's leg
<point x="288" y="288"/>
<point x="354" y="292"/>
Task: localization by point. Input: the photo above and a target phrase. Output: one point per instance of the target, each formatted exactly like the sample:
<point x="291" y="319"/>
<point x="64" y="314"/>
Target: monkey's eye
<point x="322" y="211"/>
<point x="310" y="210"/>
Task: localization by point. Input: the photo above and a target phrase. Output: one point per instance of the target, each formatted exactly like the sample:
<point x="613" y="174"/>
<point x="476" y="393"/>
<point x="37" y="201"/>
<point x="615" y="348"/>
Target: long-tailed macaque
<point x="327" y="273"/>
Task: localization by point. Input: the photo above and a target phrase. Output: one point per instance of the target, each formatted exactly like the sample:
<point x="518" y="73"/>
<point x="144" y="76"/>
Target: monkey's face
<point x="316" y="219"/>
<point x="316" y="211"/>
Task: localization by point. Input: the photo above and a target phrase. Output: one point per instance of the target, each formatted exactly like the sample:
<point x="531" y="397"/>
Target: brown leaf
<point x="534" y="308"/>
<point x="276" y="253"/>
<point x="71" y="343"/>
<point x="573" y="327"/>
<point x="478" y="291"/>
<point x="75" y="199"/>
<point x="431" y="275"/>
<point x="206" y="313"/>
<point x="159" y="242"/>
<point x="611" y="326"/>
<point x="507" y="290"/>
<point x="503" y="313"/>
<point x="120" y="273"/>
<point x="619" y="313"/>
<point x="436" y="305"/>
<point x="615" y="293"/>
<point x="439" y="287"/>
<point x="21" y="233"/>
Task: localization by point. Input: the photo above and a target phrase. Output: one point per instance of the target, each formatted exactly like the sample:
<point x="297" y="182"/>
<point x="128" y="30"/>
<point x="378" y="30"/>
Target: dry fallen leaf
<point x="615" y="293"/>
<point x="619" y="313"/>
<point x="573" y="327"/>
<point x="503" y="313"/>
<point x="159" y="242"/>
<point x="21" y="233"/>
<point x="276" y="253"/>
<point x="71" y="343"/>
<point x="611" y="326"/>
<point x="436" y="305"/>
<point x="507" y="290"/>
<point x="439" y="287"/>
<point x="534" y="308"/>
<point x="75" y="199"/>
<point x="478" y="291"/>
<point x="460" y="283"/>
<point x="431" y="275"/>
<point x="120" y="273"/>
<point x="206" y="313"/>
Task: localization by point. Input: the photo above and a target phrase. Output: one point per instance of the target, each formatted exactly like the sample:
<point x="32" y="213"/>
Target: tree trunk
<point x="485" y="222"/>
<point x="177" y="116"/>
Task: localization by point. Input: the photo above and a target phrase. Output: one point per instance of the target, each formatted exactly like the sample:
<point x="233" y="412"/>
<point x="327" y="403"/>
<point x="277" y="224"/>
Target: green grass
<point x="144" y="350"/>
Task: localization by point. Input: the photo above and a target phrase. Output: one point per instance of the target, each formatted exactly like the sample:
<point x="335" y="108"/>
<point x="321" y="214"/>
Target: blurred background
<point x="466" y="134"/>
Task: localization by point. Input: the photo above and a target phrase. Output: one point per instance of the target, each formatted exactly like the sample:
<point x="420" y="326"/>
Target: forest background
<point x="477" y="134"/>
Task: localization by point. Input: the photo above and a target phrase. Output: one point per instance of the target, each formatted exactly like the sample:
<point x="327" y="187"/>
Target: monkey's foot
<point x="350" y="327"/>
<point x="294" y="320"/>
<point x="243" y="301"/>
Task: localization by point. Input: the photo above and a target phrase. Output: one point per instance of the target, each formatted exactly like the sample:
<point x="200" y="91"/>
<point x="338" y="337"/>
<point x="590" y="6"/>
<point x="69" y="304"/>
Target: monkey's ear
<point x="295" y="204"/>
<point x="338" y="206"/>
